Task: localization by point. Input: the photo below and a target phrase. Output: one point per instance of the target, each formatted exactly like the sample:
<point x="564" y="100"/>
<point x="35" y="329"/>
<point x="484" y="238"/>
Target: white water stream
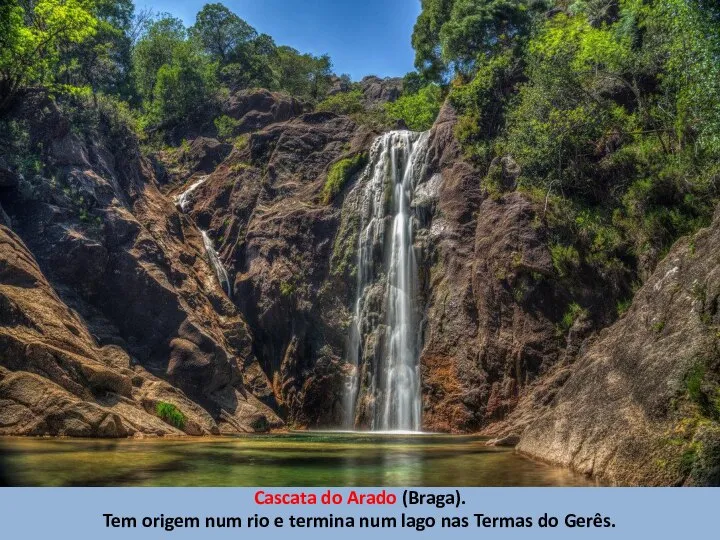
<point x="183" y="202"/>
<point x="386" y="258"/>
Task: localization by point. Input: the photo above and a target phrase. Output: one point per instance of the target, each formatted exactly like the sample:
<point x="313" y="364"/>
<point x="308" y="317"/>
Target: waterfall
<point x="384" y="349"/>
<point x="217" y="265"/>
<point x="183" y="202"/>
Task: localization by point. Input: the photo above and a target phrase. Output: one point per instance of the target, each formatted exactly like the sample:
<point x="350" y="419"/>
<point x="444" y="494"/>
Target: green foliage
<point x="343" y="260"/>
<point x="451" y="35"/>
<point x="694" y="382"/>
<point x="658" y="326"/>
<point x="480" y="104"/>
<point x="611" y="109"/>
<point x="183" y="89"/>
<point x="244" y="58"/>
<point x="419" y="110"/>
<point x="573" y="313"/>
<point x="351" y="104"/>
<point x="241" y="141"/>
<point x="222" y="33"/>
<point x="176" y="80"/>
<point x="623" y="306"/>
<point x="346" y="103"/>
<point x="287" y="288"/>
<point x="172" y="77"/>
<point x="225" y="126"/>
<point x="565" y="259"/>
<point x="340" y="174"/>
<point x="303" y="75"/>
<point x="102" y="62"/>
<point x="702" y="387"/>
<point x="171" y="414"/>
<point x="156" y="48"/>
<point x="32" y="37"/>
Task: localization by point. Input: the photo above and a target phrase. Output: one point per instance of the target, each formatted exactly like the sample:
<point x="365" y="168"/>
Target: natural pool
<point x="288" y="459"/>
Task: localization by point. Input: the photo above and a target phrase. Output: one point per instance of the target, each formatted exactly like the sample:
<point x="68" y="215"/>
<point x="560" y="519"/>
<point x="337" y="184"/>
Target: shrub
<point x="573" y="313"/>
<point x="694" y="382"/>
<point x="241" y="141"/>
<point x="171" y="414"/>
<point x="565" y="259"/>
<point x="340" y="173"/>
<point x="623" y="306"/>
<point x="346" y="103"/>
<point x="225" y="126"/>
<point x="287" y="288"/>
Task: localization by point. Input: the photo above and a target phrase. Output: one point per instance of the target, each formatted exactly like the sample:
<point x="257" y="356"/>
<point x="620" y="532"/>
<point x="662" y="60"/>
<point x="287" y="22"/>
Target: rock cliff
<point x="220" y="277"/>
<point x="641" y="405"/>
<point x="110" y="283"/>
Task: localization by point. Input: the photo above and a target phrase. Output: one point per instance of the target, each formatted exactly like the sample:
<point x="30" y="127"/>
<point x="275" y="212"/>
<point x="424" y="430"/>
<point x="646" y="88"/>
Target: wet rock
<point x="508" y="440"/>
<point x="489" y="313"/>
<point x="277" y="240"/>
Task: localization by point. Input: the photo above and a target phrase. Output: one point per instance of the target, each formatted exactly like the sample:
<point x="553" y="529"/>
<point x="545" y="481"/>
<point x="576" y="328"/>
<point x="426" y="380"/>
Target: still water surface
<point x="292" y="459"/>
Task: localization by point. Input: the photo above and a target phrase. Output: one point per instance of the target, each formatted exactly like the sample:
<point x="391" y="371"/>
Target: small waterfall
<point x="385" y="349"/>
<point x="217" y="265"/>
<point x="183" y="200"/>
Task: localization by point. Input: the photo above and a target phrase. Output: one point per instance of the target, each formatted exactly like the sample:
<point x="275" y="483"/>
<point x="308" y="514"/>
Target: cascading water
<point x="385" y="390"/>
<point x="183" y="202"/>
<point x="217" y="265"/>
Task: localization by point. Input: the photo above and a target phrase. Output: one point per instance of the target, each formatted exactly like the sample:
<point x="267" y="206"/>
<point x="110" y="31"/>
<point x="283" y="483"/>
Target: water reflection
<point x="4" y="478"/>
<point x="294" y="459"/>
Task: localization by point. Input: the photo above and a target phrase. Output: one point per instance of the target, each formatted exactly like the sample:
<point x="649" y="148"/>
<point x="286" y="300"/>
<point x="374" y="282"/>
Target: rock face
<point x="228" y="288"/>
<point x="640" y="406"/>
<point x="263" y="206"/>
<point x="117" y="302"/>
<point x="490" y="314"/>
<point x="256" y="109"/>
<point x="377" y="91"/>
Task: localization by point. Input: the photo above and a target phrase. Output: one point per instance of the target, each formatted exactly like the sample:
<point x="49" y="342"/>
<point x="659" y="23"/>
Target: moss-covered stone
<point x="340" y="174"/>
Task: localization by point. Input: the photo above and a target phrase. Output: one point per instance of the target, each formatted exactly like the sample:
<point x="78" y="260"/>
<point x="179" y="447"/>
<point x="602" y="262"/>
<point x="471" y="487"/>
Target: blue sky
<point x="366" y="37"/>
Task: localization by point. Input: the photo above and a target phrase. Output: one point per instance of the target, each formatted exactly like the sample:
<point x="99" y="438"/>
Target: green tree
<point x="223" y="34"/>
<point x="255" y="67"/>
<point x="156" y="48"/>
<point x="343" y="103"/>
<point x="454" y="34"/>
<point x="419" y="110"/>
<point x="33" y="35"/>
<point x="426" y="37"/>
<point x="103" y="61"/>
<point x="184" y="87"/>
<point x="303" y="75"/>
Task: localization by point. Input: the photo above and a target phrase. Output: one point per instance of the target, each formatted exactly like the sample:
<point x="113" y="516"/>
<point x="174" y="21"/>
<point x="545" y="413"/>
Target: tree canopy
<point x="610" y="108"/>
<point x="33" y="33"/>
<point x="167" y="72"/>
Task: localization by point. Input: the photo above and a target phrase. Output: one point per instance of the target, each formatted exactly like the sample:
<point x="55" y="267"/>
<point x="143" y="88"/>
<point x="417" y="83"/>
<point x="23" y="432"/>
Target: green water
<point x="294" y="459"/>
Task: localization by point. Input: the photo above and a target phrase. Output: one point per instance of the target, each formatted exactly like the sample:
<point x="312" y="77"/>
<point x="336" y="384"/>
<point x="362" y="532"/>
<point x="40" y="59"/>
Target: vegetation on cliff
<point x="611" y="109"/>
<point x="170" y="414"/>
<point x="340" y="174"/>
